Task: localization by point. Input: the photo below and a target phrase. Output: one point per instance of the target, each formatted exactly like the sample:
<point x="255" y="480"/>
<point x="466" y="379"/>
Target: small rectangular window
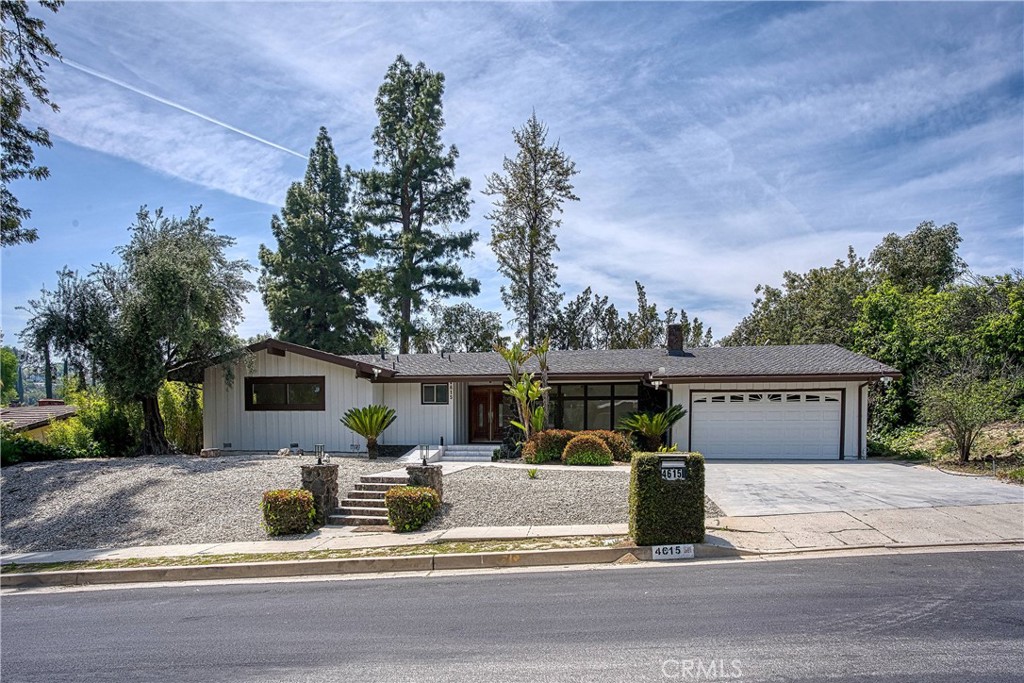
<point x="572" y="390"/>
<point x="599" y="390"/>
<point x="434" y="394"/>
<point x="755" y="397"/>
<point x="718" y="399"/>
<point x="284" y="393"/>
<point x="812" y="397"/>
<point x="775" y="397"/>
<point x="792" y="398"/>
<point x="831" y="399"/>
<point x="736" y="398"/>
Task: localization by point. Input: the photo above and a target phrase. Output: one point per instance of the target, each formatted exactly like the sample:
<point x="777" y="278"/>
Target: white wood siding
<point x="416" y="423"/>
<point x="855" y="421"/>
<point x="225" y="419"/>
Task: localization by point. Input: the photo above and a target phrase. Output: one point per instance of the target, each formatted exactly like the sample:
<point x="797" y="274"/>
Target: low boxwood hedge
<point x="663" y="512"/>
<point x="586" y="449"/>
<point x="288" y="511"/>
<point x="410" y="507"/>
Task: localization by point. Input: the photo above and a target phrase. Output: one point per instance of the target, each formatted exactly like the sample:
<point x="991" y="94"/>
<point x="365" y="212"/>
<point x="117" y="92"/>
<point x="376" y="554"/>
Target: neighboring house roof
<point x="741" y="363"/>
<point x="24" y="418"/>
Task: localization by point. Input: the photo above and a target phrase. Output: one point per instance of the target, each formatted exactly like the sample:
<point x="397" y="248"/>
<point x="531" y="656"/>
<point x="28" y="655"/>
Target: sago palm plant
<point x="650" y="427"/>
<point x="369" y="422"/>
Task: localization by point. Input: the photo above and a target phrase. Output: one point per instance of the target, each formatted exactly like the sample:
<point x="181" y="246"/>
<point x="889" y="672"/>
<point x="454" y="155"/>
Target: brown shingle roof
<point x="23" y="418"/>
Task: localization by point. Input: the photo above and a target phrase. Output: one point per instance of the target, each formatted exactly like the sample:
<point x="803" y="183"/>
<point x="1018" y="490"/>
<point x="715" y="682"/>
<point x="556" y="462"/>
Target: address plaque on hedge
<point x="673" y="470"/>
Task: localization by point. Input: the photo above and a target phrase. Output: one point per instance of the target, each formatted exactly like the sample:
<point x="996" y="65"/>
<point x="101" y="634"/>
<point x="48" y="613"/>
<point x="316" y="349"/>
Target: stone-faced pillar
<point x="426" y="475"/>
<point x="322" y="482"/>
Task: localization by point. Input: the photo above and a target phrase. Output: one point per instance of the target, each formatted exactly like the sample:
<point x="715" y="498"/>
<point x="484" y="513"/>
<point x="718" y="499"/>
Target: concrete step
<point x="377" y="479"/>
<point x="356" y="520"/>
<point x="376" y="494"/>
<point x="364" y="502"/>
<point x="357" y="511"/>
<point x="373" y="486"/>
<point x="465" y="458"/>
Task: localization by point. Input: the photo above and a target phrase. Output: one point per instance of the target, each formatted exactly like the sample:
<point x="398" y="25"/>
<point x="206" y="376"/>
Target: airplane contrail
<point x="175" y="105"/>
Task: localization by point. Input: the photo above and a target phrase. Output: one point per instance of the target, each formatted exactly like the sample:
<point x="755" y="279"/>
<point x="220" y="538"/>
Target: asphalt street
<point x="922" y="617"/>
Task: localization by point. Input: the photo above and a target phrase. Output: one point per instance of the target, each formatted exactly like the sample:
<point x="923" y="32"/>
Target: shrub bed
<point x="586" y="449"/>
<point x="619" y="444"/>
<point x="663" y="512"/>
<point x="547" y="445"/>
<point x="410" y="507"/>
<point x="288" y="511"/>
<point x="16" y="448"/>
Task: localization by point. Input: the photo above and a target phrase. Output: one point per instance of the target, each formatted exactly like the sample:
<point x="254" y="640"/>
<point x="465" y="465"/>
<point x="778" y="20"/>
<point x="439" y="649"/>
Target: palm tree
<point x="369" y="423"/>
<point x="650" y="427"/>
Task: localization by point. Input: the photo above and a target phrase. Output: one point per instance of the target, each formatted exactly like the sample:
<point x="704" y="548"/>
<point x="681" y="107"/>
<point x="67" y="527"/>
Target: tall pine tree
<point x="528" y="200"/>
<point x="311" y="283"/>
<point x="411" y="198"/>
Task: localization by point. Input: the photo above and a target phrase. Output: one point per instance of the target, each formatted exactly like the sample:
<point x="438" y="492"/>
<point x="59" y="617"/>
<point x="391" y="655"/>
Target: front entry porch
<point x="486" y="414"/>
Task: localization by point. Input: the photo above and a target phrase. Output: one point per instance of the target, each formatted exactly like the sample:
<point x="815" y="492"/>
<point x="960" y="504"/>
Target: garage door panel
<point x="766" y="424"/>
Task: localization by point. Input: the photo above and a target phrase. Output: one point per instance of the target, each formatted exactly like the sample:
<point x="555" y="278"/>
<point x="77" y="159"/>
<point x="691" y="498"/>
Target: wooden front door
<point x="486" y="413"/>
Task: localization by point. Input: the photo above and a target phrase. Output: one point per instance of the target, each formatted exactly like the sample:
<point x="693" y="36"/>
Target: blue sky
<point x="718" y="144"/>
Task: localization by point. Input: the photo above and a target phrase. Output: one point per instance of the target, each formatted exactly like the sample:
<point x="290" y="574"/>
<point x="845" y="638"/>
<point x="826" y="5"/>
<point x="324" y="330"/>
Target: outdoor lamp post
<point x="318" y="451"/>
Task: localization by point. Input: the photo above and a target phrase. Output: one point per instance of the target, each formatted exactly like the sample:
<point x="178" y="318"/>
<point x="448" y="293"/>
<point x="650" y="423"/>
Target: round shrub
<point x="410" y="507"/>
<point x="288" y="511"/>
<point x="547" y="445"/>
<point x="619" y="444"/>
<point x="586" y="449"/>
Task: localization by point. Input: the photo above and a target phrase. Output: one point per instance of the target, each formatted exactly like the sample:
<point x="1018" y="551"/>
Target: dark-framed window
<point x="593" y="406"/>
<point x="434" y="394"/>
<point x="285" y="393"/>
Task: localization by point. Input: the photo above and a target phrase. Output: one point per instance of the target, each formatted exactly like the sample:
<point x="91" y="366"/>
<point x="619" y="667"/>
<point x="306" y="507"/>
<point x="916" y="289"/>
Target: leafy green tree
<point x="311" y="282"/>
<point x="529" y="195"/>
<point x="461" y="328"/>
<point x="577" y="324"/>
<point x="816" y="307"/>
<point x="963" y="398"/>
<point x="369" y="422"/>
<point x="8" y="375"/>
<point x="411" y="199"/>
<point x="24" y="49"/>
<point x="171" y="304"/>
<point x="926" y="257"/>
<point x="694" y="334"/>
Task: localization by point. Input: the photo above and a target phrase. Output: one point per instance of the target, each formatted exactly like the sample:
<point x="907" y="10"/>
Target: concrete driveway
<point x="744" y="489"/>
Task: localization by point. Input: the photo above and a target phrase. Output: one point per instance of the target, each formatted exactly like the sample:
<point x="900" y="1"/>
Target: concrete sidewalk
<point x="763" y="534"/>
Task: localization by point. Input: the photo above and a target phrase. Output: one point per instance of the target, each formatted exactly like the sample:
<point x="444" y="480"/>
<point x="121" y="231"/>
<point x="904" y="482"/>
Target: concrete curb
<point x="362" y="565"/>
<point x="417" y="563"/>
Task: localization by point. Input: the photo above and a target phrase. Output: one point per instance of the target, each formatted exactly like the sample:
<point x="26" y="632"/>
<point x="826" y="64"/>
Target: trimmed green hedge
<point x="288" y="511"/>
<point x="586" y="449"/>
<point x="663" y="512"/>
<point x="410" y="507"/>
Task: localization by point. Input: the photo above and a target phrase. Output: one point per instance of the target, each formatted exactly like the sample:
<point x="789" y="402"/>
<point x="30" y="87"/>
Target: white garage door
<point x="766" y="424"/>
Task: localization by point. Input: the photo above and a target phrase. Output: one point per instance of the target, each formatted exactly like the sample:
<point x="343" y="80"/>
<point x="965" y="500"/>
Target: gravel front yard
<point x="96" y="503"/>
<point x="498" y="496"/>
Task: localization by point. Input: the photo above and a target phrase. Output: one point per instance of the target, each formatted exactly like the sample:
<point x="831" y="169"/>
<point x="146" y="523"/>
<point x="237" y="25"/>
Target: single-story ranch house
<point x="794" y="402"/>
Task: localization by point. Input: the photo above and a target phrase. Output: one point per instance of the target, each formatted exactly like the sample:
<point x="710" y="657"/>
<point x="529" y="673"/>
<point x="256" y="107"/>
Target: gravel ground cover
<point x="496" y="496"/>
<point x="100" y="503"/>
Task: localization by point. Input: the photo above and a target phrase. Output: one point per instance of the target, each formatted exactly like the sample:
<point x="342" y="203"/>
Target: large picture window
<point x="284" y="393"/>
<point x="593" y="406"/>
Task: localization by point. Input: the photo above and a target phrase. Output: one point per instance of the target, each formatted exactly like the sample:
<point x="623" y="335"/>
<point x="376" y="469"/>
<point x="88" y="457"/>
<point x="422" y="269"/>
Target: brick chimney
<point x="674" y="336"/>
